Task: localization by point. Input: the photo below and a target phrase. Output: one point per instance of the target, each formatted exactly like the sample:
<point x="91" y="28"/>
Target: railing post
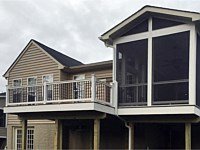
<point x="111" y="94"/>
<point x="7" y="96"/>
<point x="115" y="96"/>
<point x="45" y="92"/>
<point x="93" y="87"/>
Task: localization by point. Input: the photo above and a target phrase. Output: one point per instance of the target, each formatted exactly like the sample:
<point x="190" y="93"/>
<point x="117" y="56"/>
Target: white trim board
<point x="60" y="107"/>
<point x="160" y="110"/>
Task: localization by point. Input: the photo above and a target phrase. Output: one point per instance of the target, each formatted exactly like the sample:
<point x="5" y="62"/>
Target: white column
<point x="115" y="96"/>
<point x="149" y="70"/>
<point x="115" y="84"/>
<point x="114" y="63"/>
<point x="45" y="93"/>
<point x="93" y="87"/>
<point x="7" y="96"/>
<point x="192" y="66"/>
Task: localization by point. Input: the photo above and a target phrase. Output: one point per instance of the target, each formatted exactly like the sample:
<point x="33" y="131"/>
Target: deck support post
<point x="24" y="133"/>
<point x="187" y="136"/>
<point x="58" y="135"/>
<point x="96" y="134"/>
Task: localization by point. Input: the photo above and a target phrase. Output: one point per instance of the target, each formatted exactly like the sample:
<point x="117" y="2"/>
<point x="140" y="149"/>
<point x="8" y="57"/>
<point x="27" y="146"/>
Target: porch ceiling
<point x="62" y="115"/>
<point x="163" y="118"/>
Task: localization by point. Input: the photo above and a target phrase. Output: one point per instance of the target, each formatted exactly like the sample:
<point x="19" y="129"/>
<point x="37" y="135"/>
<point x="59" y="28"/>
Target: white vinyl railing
<point x="60" y="92"/>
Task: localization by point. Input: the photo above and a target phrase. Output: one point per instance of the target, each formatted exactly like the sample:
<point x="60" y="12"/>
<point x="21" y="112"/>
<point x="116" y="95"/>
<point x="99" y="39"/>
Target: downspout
<point x="116" y="112"/>
<point x="129" y="135"/>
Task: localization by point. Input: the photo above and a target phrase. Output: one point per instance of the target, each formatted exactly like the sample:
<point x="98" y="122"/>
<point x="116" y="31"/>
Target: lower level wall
<point x="78" y="134"/>
<point x="43" y="135"/>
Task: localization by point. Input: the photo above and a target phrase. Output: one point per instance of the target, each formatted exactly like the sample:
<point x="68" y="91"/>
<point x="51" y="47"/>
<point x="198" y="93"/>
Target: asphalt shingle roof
<point x="61" y="58"/>
<point x="3" y="94"/>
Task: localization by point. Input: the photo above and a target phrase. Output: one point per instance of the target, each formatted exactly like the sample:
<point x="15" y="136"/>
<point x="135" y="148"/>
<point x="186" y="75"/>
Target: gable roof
<point x="61" y="59"/>
<point x="3" y="94"/>
<point x="91" y="66"/>
<point x="144" y="13"/>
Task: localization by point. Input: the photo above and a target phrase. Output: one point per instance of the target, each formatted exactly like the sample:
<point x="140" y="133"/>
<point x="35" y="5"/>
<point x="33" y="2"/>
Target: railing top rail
<point x="106" y="84"/>
<point x="47" y="83"/>
<point x="24" y="86"/>
<point x="68" y="81"/>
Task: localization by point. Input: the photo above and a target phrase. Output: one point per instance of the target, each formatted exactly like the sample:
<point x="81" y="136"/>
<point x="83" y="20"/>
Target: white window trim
<point x="30" y="86"/>
<point x="15" y="135"/>
<point x="83" y="75"/>
<point x="78" y="75"/>
<point x="47" y="82"/>
<point x="46" y="75"/>
<point x="30" y="78"/>
<point x="154" y="33"/>
<point x="16" y="79"/>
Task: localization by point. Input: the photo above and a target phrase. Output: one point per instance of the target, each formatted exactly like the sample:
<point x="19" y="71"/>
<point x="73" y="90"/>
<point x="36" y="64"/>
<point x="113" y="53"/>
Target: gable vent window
<point x="163" y="23"/>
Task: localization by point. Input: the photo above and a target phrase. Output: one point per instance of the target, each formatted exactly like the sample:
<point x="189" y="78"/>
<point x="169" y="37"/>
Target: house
<point x="146" y="98"/>
<point x="69" y="89"/>
<point x="2" y="121"/>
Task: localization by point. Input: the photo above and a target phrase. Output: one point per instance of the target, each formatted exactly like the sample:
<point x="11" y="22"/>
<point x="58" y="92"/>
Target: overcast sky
<point x="69" y="26"/>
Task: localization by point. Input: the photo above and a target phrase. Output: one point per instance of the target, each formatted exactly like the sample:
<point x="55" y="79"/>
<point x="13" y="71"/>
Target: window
<point x="30" y="139"/>
<point x="132" y="72"/>
<point x="17" y="92"/>
<point x="139" y="28"/>
<point x="159" y="23"/>
<point x="171" y="68"/>
<point x="78" y="87"/>
<point x="32" y="81"/>
<point x="49" y="79"/>
<point x="17" y="82"/>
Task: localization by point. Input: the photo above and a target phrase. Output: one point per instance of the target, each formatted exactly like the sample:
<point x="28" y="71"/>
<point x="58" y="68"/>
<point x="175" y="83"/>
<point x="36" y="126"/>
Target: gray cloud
<point x="70" y="26"/>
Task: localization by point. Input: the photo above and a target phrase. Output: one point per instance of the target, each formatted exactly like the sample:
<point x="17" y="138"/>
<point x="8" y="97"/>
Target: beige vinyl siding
<point x="63" y="76"/>
<point x="43" y="136"/>
<point x="14" y="120"/>
<point x="34" y="62"/>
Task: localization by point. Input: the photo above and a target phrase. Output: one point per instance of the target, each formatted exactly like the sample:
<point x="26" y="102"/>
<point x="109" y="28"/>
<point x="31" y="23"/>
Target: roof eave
<point x="87" y="67"/>
<point x="106" y="37"/>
